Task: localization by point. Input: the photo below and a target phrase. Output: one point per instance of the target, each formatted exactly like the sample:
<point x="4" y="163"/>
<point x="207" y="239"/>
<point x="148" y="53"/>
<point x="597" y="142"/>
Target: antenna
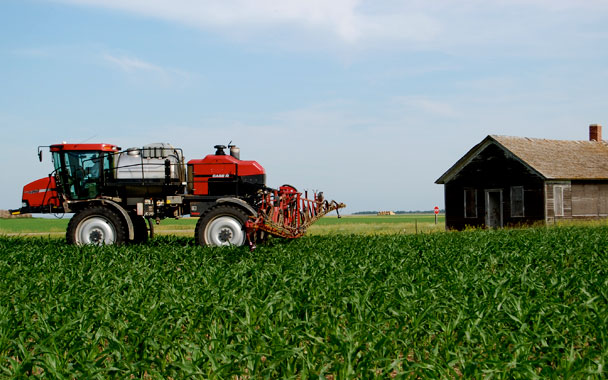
<point x="89" y="139"/>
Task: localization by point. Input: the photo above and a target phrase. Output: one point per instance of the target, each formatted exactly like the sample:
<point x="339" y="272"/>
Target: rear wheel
<point x="222" y="225"/>
<point x="96" y="226"/>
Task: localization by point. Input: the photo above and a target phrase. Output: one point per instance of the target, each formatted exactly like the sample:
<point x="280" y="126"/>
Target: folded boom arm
<point x="288" y="213"/>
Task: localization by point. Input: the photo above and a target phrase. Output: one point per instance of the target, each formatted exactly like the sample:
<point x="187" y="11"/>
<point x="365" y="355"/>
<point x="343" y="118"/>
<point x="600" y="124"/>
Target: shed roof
<point x="551" y="159"/>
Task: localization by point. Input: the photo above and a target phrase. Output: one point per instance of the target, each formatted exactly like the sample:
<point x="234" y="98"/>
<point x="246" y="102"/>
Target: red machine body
<point x="86" y="147"/>
<point x="41" y="193"/>
<point x="217" y="172"/>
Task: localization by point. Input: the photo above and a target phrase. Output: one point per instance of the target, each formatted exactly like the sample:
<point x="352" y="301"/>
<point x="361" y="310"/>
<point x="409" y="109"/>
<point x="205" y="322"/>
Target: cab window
<point x="80" y="173"/>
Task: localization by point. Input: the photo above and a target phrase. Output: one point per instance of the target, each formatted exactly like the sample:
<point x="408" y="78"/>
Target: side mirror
<point x="40" y="154"/>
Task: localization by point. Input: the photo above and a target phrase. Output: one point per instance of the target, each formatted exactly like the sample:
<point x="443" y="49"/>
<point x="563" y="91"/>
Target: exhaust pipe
<point x="235" y="151"/>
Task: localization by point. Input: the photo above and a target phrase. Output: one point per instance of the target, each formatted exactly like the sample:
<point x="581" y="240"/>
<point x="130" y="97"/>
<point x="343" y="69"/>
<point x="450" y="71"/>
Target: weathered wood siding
<point x="494" y="169"/>
<point x="550" y="191"/>
<point x="581" y="200"/>
<point x="589" y="199"/>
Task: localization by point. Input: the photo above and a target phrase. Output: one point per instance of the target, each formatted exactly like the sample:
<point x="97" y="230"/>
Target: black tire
<point x="140" y="229"/>
<point x="96" y="225"/>
<point x="293" y="188"/>
<point x="221" y="225"/>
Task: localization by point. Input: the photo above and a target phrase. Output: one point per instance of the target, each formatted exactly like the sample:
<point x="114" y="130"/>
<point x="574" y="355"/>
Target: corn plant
<point x="480" y="304"/>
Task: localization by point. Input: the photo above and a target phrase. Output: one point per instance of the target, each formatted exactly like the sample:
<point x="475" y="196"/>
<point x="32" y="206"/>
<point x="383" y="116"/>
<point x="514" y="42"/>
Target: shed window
<point x="517" y="201"/>
<point x="558" y="200"/>
<point x="470" y="203"/>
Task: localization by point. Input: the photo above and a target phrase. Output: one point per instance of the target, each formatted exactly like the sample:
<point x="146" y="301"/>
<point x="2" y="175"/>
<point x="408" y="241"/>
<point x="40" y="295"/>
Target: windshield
<point x="80" y="172"/>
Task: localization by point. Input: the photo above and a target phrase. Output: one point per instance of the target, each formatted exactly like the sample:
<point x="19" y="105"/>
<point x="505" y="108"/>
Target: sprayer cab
<point x="79" y="170"/>
<point x="82" y="169"/>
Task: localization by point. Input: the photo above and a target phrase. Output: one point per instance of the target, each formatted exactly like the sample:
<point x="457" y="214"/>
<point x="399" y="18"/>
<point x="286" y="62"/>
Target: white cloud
<point x="345" y="21"/>
<point x="138" y="67"/>
<point x="130" y="64"/>
<point x="509" y="27"/>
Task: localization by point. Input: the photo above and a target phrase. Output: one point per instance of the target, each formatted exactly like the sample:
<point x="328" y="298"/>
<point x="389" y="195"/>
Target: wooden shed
<point x="516" y="180"/>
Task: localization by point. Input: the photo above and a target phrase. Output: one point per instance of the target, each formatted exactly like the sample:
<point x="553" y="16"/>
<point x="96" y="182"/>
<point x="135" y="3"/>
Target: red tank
<point x="221" y="174"/>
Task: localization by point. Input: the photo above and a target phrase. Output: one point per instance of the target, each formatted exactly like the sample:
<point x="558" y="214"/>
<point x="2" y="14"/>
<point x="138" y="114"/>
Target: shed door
<point x="493" y="208"/>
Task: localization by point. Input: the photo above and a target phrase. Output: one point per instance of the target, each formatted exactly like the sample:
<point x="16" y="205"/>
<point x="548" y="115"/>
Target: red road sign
<point x="436" y="210"/>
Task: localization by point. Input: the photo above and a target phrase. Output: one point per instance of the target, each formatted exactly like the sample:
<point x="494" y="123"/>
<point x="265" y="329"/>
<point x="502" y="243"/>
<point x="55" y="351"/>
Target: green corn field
<point x="509" y="304"/>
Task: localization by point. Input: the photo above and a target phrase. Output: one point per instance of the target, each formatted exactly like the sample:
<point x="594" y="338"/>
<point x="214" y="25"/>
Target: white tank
<point x="149" y="162"/>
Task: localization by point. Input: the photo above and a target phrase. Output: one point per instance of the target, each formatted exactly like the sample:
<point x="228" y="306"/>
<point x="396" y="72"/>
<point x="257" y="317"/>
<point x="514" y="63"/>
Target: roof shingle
<point x="560" y="159"/>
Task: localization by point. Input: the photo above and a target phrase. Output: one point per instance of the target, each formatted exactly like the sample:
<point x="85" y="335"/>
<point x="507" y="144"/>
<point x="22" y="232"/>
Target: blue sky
<point x="369" y="101"/>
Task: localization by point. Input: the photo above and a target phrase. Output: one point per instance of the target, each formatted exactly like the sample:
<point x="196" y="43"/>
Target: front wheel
<point x="96" y="226"/>
<point x="222" y="225"/>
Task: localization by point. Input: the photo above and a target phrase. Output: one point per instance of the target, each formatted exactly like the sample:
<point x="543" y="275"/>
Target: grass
<point x="525" y="303"/>
<point x="327" y="225"/>
<point x="33" y="225"/>
<point x="373" y="225"/>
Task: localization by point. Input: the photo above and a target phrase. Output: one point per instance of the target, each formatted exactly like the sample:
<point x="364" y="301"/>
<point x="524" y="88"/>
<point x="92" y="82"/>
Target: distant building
<point x="516" y="180"/>
<point x="386" y="213"/>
